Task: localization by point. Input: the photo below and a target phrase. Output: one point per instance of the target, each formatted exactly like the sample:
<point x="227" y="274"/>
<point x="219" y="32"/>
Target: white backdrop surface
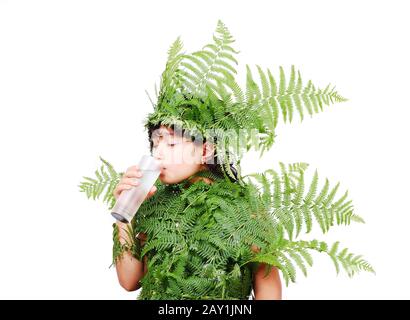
<point x="72" y="81"/>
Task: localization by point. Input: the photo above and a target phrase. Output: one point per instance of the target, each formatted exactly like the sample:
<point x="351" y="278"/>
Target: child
<point x="167" y="147"/>
<point x="203" y="231"/>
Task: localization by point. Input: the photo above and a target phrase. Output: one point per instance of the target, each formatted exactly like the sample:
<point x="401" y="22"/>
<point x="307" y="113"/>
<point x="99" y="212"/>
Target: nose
<point x="158" y="153"/>
<point x="158" y="162"/>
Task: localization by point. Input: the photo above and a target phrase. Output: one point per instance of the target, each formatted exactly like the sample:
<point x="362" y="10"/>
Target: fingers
<point x="120" y="188"/>
<point x="131" y="176"/>
<point x="133" y="172"/>
<point x="126" y="183"/>
<point x="151" y="192"/>
<point x="130" y="181"/>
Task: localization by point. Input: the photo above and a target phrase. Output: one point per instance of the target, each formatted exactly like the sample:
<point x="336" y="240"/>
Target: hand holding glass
<point x="130" y="200"/>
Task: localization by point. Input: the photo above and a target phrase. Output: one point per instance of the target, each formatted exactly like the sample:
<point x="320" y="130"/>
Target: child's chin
<point x="163" y="178"/>
<point x="166" y="179"/>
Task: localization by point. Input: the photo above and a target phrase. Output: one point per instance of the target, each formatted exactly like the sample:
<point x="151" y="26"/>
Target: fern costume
<point x="205" y="240"/>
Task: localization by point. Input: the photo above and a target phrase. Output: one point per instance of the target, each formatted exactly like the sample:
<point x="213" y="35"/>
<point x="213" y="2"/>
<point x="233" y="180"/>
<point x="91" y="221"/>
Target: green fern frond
<point x="105" y="180"/>
<point x="214" y="63"/>
<point x="351" y="263"/>
<point x="284" y="196"/>
<point x="290" y="254"/>
<point x="288" y="95"/>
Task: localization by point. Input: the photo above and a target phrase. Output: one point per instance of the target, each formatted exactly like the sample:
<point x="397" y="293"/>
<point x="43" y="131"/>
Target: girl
<point x="202" y="231"/>
<point x="167" y="147"/>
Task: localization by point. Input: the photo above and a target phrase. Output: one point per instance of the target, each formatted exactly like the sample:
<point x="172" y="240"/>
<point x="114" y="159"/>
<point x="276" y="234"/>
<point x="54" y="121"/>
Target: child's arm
<point x="129" y="269"/>
<point x="269" y="287"/>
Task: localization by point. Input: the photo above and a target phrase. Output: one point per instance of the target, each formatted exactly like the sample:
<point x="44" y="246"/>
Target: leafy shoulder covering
<point x="199" y="240"/>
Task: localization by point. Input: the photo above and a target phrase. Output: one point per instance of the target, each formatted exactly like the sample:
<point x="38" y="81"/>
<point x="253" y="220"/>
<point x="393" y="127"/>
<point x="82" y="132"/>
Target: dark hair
<point x="214" y="167"/>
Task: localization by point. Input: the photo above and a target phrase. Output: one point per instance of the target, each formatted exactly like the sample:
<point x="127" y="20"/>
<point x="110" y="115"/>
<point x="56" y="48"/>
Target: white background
<point x="72" y="81"/>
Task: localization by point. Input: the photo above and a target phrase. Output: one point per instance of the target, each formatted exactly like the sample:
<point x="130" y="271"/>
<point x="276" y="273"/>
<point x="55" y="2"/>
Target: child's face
<point x="180" y="157"/>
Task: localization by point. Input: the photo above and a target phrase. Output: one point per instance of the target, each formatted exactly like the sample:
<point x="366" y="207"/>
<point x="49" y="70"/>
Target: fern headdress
<point x="199" y="93"/>
<point x="199" y="236"/>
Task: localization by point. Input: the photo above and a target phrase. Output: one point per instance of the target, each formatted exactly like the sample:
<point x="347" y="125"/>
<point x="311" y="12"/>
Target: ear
<point x="208" y="150"/>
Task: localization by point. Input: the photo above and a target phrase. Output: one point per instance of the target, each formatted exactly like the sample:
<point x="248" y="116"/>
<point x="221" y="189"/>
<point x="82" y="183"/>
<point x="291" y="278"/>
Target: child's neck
<point x="206" y="180"/>
<point x="196" y="178"/>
